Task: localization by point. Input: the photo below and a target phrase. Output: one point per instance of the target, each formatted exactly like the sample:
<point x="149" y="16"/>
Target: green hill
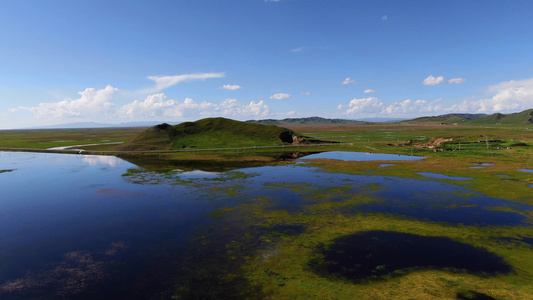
<point x="524" y="117"/>
<point x="445" y="119"/>
<point x="212" y="133"/>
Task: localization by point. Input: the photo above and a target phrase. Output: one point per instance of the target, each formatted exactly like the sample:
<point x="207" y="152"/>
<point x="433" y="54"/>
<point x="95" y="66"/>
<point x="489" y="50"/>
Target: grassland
<point x="48" y="138"/>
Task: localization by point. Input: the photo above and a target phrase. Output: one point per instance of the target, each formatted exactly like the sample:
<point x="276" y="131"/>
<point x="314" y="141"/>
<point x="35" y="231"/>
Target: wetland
<point x="315" y="222"/>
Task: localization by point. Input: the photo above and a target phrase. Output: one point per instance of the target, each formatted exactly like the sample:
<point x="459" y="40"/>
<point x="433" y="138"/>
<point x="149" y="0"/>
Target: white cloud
<point x="231" y="87"/>
<point x="348" y="80"/>
<point x="505" y="97"/>
<point x="456" y="81"/>
<point x="157" y="106"/>
<point x="372" y="107"/>
<point x="280" y="96"/>
<point x="231" y="107"/>
<point x="163" y="82"/>
<point x="363" y="105"/>
<point x="384" y="18"/>
<point x="508" y="96"/>
<point x="370" y="91"/>
<point x="299" y="49"/>
<point x="432" y="80"/>
<point x="92" y="103"/>
<point x="306" y="93"/>
<point x="153" y="106"/>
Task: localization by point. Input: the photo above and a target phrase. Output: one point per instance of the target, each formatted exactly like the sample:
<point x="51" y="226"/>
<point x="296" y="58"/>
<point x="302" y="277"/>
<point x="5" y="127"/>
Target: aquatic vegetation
<point x="6" y="171"/>
<point x="64" y="279"/>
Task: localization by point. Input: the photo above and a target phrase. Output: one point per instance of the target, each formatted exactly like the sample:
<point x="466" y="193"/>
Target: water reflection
<point x="360" y="156"/>
<point x="95" y="160"/>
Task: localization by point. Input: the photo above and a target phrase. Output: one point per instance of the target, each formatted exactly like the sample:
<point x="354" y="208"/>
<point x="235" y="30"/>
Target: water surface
<point x="360" y="156"/>
<point x="99" y="227"/>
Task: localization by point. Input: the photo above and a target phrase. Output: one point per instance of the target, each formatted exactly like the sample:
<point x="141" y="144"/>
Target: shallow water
<point x="99" y="227"/>
<point x="360" y="156"/>
<point x="442" y="176"/>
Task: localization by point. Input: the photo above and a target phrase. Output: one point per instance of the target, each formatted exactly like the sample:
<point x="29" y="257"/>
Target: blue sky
<point x="174" y="61"/>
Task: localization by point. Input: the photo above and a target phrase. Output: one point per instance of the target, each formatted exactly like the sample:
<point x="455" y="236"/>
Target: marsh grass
<point x="48" y="138"/>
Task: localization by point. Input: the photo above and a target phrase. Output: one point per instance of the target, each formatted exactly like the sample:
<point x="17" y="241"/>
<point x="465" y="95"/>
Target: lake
<point x="99" y="227"/>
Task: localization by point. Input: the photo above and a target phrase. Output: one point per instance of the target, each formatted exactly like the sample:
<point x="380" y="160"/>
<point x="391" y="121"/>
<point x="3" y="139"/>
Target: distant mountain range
<point x="309" y="120"/>
<point x="98" y="125"/>
<point x="524" y="117"/>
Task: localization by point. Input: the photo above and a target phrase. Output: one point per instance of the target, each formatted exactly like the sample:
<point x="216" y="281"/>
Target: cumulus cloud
<point x="372" y="106"/>
<point x="231" y="87"/>
<point x="92" y="103"/>
<point x="456" y="81"/>
<point x="153" y="106"/>
<point x="163" y="82"/>
<point x="505" y="97"/>
<point x="432" y="80"/>
<point x="348" y="80"/>
<point x="158" y="106"/>
<point x="280" y="96"/>
<point x="363" y="105"/>
<point x="370" y="91"/>
<point x="508" y="96"/>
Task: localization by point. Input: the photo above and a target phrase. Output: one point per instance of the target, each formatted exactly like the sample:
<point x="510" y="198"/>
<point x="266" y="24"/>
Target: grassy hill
<point x="445" y="119"/>
<point x="524" y="117"/>
<point x="211" y="133"/>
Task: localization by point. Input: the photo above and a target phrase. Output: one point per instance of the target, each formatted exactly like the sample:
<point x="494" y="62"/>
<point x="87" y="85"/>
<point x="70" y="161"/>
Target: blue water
<point x="360" y="156"/>
<point x="442" y="176"/>
<point x="124" y="232"/>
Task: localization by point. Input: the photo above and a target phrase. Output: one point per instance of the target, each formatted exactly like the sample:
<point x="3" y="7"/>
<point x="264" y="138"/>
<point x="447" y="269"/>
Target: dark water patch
<point x="375" y="255"/>
<point x="361" y="156"/>
<point x="473" y="295"/>
<point x="476" y="167"/>
<point x="502" y="175"/>
<point x="442" y="176"/>
<point x="117" y="192"/>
